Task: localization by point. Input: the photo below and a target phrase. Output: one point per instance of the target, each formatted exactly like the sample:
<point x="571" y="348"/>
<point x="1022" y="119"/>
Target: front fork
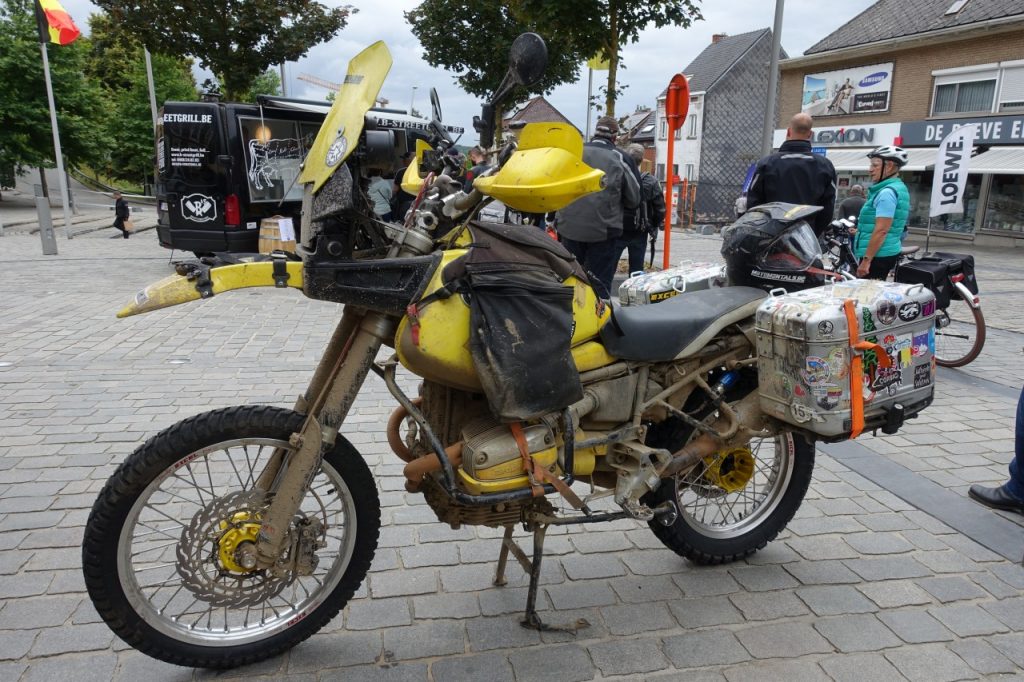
<point x="331" y="392"/>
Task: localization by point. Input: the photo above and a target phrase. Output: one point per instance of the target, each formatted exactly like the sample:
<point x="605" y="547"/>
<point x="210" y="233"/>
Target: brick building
<point x="907" y="72"/>
<point x="721" y="136"/>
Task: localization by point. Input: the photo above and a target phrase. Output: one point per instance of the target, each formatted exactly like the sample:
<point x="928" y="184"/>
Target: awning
<point x="1007" y="160"/>
<point x="857" y="159"/>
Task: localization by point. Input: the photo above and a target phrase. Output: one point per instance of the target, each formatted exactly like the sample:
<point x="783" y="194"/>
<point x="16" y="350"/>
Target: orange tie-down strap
<point x="537" y="472"/>
<point x="857" y="367"/>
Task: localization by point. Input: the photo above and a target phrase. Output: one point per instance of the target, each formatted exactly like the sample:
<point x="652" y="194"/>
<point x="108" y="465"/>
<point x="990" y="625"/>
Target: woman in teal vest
<point x="883" y="218"/>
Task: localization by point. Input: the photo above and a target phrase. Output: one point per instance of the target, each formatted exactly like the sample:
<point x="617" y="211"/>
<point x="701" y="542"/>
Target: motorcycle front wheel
<point x="732" y="503"/>
<point x="160" y="551"/>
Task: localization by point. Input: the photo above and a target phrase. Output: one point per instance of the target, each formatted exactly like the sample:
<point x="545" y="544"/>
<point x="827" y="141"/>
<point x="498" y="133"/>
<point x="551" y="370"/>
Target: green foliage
<point x="236" y="39"/>
<point x="26" y="138"/>
<point x="117" y="61"/>
<point x="267" y="83"/>
<point x="603" y="26"/>
<point x="473" y="37"/>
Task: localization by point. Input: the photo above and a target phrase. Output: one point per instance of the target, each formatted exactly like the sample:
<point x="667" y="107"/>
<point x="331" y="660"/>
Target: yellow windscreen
<point x="340" y="131"/>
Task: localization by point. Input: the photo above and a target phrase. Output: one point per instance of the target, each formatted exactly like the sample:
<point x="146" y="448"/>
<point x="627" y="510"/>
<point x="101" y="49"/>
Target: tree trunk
<point x="42" y="182"/>
<point x="613" y="58"/>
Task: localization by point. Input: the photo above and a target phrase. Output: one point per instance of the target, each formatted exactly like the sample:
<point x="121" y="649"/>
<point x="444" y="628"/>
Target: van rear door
<point x="193" y="182"/>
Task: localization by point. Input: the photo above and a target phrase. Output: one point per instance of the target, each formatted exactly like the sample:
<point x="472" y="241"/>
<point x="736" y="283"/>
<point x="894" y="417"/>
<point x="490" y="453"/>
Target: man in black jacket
<point x="795" y="175"/>
<point x="121" y="214"/>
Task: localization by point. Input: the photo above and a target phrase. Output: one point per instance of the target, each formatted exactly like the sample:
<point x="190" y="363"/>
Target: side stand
<point x="531" y="619"/>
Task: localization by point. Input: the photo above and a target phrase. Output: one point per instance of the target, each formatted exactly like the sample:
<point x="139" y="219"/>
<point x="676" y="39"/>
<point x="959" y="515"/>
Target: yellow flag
<point x="597" y="64"/>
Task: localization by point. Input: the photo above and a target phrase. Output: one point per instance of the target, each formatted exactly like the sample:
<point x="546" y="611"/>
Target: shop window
<point x="919" y="184"/>
<point x="1005" y="208"/>
<point x="964" y="97"/>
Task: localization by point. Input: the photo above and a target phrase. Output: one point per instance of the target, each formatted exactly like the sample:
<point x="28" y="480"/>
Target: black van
<point x="223" y="167"/>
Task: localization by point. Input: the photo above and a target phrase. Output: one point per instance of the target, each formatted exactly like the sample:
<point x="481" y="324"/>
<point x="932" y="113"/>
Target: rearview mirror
<point x="527" y="59"/>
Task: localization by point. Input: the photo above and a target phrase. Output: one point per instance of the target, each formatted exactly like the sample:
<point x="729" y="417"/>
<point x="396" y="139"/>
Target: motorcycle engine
<point x="491" y="453"/>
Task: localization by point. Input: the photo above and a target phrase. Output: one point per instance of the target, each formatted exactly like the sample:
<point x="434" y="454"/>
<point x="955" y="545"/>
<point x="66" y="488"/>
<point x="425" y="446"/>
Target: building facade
<point x="908" y="72"/>
<point x="721" y="136"/>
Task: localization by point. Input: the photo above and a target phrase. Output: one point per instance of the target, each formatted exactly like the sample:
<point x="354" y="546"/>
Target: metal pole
<point x="666" y="249"/>
<point x="61" y="180"/>
<point x="152" y="88"/>
<point x="284" y="83"/>
<point x="928" y="235"/>
<point x="590" y="90"/>
<point x="773" y="81"/>
<point x="412" y="100"/>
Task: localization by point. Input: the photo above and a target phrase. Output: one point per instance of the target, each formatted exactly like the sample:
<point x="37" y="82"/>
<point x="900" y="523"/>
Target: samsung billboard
<point x="857" y="90"/>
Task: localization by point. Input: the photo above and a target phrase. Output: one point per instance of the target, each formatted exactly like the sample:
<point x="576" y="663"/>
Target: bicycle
<point x="959" y="321"/>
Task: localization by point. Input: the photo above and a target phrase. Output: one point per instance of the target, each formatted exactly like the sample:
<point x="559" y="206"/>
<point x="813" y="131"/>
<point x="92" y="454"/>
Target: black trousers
<point x="880" y="266"/>
<point x="119" y="224"/>
<point x="597" y="258"/>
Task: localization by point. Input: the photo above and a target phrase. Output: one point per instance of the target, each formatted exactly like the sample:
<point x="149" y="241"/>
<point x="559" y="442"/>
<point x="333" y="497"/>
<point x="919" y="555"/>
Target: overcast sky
<point x="649" y="64"/>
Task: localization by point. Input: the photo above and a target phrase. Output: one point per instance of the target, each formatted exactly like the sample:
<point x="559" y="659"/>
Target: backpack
<point x="650" y="191"/>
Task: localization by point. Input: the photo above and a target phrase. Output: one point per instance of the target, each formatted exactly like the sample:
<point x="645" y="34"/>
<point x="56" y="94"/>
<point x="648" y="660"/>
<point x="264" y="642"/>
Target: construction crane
<point x="332" y="86"/>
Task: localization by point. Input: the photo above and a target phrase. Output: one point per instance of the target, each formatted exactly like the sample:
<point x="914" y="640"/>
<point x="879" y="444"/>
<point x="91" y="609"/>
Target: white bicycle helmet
<point x="890" y="153"/>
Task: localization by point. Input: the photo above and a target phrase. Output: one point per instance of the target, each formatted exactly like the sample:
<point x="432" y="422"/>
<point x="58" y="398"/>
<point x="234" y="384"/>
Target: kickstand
<point x="532" y="567"/>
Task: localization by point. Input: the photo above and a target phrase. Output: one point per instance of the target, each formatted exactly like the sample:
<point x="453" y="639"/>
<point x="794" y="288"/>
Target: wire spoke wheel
<point x="959" y="333"/>
<point x="169" y="549"/>
<point x="716" y="512"/>
<point x="732" y="503"/>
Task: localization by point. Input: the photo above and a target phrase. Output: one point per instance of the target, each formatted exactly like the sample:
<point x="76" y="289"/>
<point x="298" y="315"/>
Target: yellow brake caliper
<point x="243" y="527"/>
<point x="730" y="470"/>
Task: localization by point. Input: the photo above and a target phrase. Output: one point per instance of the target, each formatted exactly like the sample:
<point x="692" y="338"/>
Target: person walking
<point x="379" y="192"/>
<point x="851" y="205"/>
<point x="121" y="214"/>
<point x="1010" y="495"/>
<point x="796" y="176"/>
<point x="591" y="226"/>
<point x="648" y="216"/>
<point x="883" y="218"/>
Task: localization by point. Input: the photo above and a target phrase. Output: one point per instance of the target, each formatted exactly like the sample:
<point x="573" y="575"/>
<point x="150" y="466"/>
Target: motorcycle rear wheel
<point x="716" y="526"/>
<point x="159" y="547"/>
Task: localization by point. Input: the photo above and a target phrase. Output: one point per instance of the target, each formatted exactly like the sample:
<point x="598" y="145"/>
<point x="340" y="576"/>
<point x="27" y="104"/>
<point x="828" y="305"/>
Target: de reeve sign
<point x="992" y="130"/>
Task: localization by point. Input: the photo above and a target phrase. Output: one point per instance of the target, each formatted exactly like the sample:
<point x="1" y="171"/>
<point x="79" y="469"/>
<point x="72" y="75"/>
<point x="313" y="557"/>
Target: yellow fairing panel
<point x="546" y="173"/>
<point x="411" y="180"/>
<point x="340" y="131"/>
<point x="442" y="354"/>
<point x="177" y="289"/>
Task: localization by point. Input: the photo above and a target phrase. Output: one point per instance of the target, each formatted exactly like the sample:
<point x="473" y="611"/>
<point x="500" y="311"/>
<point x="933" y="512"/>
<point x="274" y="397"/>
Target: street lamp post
<point x="412" y="100"/>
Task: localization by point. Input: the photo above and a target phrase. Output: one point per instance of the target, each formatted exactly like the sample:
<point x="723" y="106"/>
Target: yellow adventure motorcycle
<point x="235" y="534"/>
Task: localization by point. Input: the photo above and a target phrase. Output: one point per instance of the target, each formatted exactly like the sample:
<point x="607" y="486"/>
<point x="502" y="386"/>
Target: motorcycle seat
<point x="678" y="327"/>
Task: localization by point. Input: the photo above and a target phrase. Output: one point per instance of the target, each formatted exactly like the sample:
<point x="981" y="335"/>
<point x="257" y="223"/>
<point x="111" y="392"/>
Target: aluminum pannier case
<point x="847" y="357"/>
<point x="654" y="287"/>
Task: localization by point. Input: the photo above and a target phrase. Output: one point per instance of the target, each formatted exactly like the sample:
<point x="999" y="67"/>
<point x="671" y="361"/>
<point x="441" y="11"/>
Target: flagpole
<point x="590" y="89"/>
<point x="149" y="82"/>
<point x="61" y="180"/>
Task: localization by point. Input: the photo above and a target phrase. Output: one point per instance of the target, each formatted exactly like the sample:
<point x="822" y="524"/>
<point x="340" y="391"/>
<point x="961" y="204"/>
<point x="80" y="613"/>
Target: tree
<point x="117" y="61"/>
<point x="238" y="41"/>
<point x="267" y="83"/>
<point x="473" y="37"/>
<point x="602" y="27"/>
<point x="26" y="139"/>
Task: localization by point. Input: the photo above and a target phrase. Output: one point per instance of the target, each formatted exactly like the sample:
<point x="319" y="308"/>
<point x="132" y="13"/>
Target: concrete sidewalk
<point x="863" y="584"/>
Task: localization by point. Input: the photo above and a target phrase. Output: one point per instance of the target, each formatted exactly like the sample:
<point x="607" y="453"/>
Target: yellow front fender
<point x="206" y="282"/>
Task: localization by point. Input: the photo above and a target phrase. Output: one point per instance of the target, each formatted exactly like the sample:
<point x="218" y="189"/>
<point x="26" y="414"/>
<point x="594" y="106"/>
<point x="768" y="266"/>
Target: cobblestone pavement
<point x="862" y="585"/>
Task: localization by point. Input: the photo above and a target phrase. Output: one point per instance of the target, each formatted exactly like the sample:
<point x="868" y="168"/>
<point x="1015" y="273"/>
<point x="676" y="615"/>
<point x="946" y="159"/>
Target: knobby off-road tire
<point x="715" y="526"/>
<point x="153" y="551"/>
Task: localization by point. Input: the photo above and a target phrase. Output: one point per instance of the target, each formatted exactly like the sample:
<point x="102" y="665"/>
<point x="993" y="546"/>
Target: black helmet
<point x="771" y="247"/>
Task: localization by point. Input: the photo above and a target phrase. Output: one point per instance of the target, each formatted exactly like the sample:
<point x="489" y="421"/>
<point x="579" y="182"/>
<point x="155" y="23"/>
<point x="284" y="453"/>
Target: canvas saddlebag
<point x="521" y="318"/>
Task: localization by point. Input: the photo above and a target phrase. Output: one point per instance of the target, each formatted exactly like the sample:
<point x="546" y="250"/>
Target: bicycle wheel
<point x="161" y="547"/>
<point x="959" y="334"/>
